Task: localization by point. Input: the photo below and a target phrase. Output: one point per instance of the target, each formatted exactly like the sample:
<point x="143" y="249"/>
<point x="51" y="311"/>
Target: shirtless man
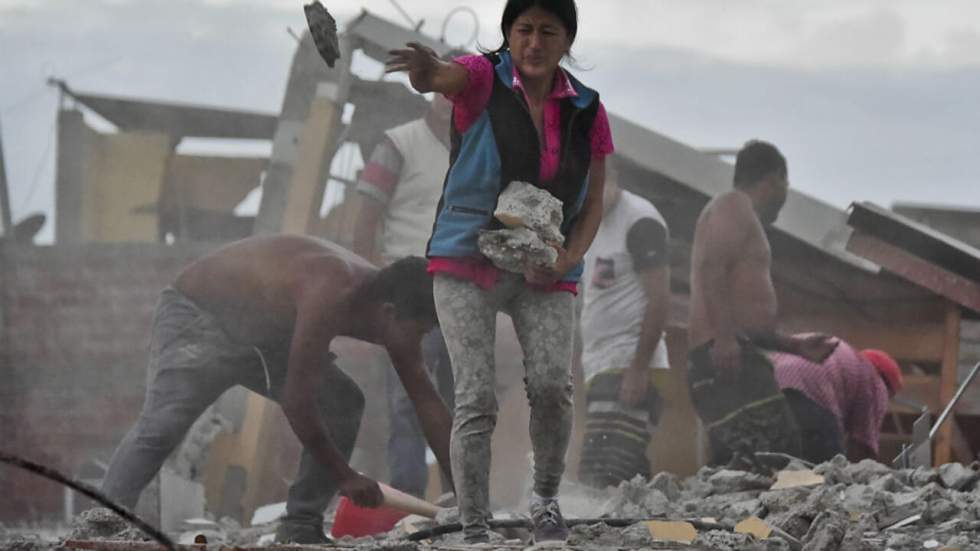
<point x="733" y="315"/>
<point x="262" y="313"/>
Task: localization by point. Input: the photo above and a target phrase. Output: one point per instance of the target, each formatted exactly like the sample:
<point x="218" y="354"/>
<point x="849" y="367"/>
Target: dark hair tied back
<point x="564" y="10"/>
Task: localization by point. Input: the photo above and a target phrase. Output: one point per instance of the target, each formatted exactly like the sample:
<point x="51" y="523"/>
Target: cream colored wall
<point x="126" y="171"/>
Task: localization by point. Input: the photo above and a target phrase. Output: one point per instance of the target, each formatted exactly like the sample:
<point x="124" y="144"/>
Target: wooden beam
<point x="6" y="218"/>
<point x="316" y="147"/>
<point x="924" y="389"/>
<point x="307" y="72"/>
<point x="948" y="379"/>
<point x="962" y="450"/>
<point x="910" y="342"/>
<point x="952" y="286"/>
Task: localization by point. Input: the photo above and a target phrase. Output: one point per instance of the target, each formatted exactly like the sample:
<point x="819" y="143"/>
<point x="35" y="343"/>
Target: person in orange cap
<point x="839" y="403"/>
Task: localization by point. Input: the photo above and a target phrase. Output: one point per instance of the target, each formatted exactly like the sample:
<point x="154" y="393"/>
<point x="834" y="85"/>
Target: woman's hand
<point x="420" y="62"/>
<point x="543" y="276"/>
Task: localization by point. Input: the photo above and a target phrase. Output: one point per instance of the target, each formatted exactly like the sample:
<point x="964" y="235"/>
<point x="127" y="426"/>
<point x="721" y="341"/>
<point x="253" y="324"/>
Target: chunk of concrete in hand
<point x="522" y="205"/>
<point x="515" y="249"/>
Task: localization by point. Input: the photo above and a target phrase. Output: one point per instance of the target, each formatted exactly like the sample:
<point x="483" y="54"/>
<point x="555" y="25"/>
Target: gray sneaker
<point x="302" y="533"/>
<point x="547" y="524"/>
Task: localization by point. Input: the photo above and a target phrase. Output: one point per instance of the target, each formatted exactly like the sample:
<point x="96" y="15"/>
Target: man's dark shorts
<point x="745" y="414"/>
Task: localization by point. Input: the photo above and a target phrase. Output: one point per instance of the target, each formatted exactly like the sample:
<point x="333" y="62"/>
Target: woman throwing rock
<point x="518" y="116"/>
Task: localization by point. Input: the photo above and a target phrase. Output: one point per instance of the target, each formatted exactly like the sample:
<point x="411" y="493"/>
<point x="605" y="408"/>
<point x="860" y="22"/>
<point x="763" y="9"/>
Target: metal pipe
<point x="952" y="403"/>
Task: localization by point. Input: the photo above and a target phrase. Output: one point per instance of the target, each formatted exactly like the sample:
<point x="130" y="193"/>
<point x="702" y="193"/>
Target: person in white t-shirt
<point x="626" y="300"/>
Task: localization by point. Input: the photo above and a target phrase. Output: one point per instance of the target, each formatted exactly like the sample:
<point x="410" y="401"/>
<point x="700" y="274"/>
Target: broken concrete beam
<point x="515" y="249"/>
<point x="522" y="205"/>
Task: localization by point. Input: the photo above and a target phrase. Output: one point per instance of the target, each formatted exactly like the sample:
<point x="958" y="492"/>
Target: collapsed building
<point x="132" y="209"/>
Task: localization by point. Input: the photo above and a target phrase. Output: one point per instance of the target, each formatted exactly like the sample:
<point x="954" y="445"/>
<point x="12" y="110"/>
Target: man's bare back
<point x="731" y="286"/>
<point x="300" y="293"/>
<point x="253" y="286"/>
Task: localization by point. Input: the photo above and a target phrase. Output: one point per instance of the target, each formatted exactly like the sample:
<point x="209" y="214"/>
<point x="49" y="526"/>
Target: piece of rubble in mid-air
<point x="323" y="27"/>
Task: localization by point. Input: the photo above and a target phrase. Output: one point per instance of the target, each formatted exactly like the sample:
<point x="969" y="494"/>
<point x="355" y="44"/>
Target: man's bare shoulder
<point x="327" y="268"/>
<point x="732" y="206"/>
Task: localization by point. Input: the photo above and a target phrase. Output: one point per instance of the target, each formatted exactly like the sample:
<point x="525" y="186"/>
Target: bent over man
<point x="733" y="315"/>
<point x="262" y="313"/>
<point x="839" y="403"/>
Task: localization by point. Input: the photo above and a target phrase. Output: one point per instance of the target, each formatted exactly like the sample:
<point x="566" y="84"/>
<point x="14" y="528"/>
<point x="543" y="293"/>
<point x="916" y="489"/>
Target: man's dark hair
<point x="564" y="10"/>
<point x="757" y="160"/>
<point x="406" y="283"/>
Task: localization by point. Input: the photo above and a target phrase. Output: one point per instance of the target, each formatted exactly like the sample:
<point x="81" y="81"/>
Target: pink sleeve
<point x="470" y="103"/>
<point x="868" y="407"/>
<point x="601" y="135"/>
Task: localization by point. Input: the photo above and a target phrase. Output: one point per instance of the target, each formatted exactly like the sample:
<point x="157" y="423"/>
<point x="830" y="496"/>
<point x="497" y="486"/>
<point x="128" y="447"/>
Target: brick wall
<point x="74" y="324"/>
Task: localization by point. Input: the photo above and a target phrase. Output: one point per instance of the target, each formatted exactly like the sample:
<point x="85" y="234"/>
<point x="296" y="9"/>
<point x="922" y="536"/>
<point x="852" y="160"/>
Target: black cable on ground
<point x="88" y="491"/>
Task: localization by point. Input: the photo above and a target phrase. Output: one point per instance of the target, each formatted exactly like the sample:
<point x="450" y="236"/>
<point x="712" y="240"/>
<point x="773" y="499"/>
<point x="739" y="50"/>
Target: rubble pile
<point x="858" y="506"/>
<point x="835" y="506"/>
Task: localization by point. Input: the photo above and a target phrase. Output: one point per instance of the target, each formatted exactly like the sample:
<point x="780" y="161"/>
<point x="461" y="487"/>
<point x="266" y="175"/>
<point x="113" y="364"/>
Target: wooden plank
<point x="677" y="446"/>
<point x="912" y="342"/>
<point x="316" y="147"/>
<point x="306" y="73"/>
<point x="948" y="380"/>
<point x="954" y="287"/>
<point x="5" y="217"/>
<point x="924" y="389"/>
<point x="962" y="450"/>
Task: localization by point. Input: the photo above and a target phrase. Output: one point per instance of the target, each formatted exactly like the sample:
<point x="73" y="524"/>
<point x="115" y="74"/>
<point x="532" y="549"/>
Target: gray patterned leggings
<point x="544" y="325"/>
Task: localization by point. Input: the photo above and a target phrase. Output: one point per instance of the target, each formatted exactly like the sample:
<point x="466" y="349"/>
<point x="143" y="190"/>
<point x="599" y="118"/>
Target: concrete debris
<point x="20" y="542"/>
<point x="532" y="218"/>
<point x="101" y="523"/>
<point x="513" y="250"/>
<point x="859" y="507"/>
<point x="957" y="477"/>
<point x="191" y="457"/>
<point x="923" y="476"/>
<point x="668" y="484"/>
<point x="727" y="482"/>
<point x="826" y="532"/>
<point x="323" y="28"/>
<point x="522" y="205"/>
